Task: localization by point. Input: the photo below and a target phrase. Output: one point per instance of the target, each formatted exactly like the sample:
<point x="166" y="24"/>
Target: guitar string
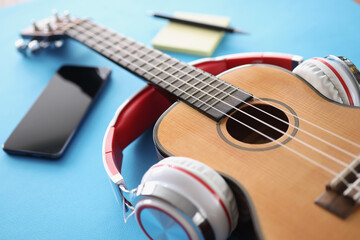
<point x="178" y="70"/>
<point x="315" y="149"/>
<point x="253" y="106"/>
<point x="255" y="130"/>
<point x="250" y="105"/>
<point x="261" y="100"/>
<point x="302" y="155"/>
<point x="334" y="146"/>
<point x="207" y="74"/>
<point x="341" y="178"/>
<point x="269" y="125"/>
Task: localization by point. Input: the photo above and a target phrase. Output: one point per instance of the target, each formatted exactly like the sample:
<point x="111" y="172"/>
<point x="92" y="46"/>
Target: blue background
<point x="71" y="198"/>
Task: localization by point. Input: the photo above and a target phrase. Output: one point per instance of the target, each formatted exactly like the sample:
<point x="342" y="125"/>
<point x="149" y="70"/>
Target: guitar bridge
<point x="342" y="194"/>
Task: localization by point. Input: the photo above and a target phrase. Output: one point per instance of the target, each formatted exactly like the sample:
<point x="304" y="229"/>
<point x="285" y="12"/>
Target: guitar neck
<point x="203" y="91"/>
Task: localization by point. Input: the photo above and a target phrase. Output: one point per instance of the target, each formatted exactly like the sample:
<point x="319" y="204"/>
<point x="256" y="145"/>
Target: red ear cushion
<point x="322" y="78"/>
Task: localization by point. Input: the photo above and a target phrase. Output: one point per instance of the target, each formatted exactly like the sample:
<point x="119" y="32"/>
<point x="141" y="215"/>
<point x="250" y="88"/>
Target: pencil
<point x="198" y="24"/>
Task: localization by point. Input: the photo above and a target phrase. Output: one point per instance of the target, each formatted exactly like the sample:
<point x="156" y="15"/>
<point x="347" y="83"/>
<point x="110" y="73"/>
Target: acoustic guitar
<point x="295" y="152"/>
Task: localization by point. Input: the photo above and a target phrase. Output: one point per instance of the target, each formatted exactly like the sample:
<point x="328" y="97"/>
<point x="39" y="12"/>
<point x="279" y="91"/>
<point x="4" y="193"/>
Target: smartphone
<point x="51" y="122"/>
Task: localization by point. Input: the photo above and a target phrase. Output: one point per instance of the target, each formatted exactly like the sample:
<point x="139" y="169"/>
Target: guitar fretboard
<point x="201" y="90"/>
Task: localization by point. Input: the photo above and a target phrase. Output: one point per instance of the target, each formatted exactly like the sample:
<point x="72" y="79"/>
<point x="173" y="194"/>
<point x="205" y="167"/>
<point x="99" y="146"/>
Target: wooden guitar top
<point x="281" y="182"/>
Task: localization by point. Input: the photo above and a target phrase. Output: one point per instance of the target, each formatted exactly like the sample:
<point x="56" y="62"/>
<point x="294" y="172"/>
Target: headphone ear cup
<point x="322" y="79"/>
<point x="193" y="182"/>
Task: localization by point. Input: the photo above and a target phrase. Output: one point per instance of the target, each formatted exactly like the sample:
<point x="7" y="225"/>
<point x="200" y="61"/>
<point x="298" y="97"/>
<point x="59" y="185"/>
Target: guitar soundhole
<point x="261" y="133"/>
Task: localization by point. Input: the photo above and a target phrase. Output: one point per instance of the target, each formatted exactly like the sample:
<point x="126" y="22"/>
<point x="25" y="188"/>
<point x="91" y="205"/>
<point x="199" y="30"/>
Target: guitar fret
<point x="90" y="41"/>
<point x="154" y="58"/>
<point x="196" y="87"/>
<point x="108" y="51"/>
<point x="175" y="72"/>
<point x="143" y="54"/>
<point x="171" y="64"/>
<point x="174" y="82"/>
<point x="220" y="100"/>
<point x="187" y="80"/>
<point x="149" y="68"/>
<point x="162" y="74"/>
<point x="166" y="72"/>
<point x="151" y="59"/>
<point x="116" y="51"/>
<point x="213" y="80"/>
<point x="88" y="38"/>
<point x="138" y="51"/>
<point x="207" y="96"/>
<point x="109" y="35"/>
<point x="161" y="83"/>
<point x="140" y="54"/>
<point x="116" y="39"/>
<point x="166" y="67"/>
<point x="158" y="69"/>
<point x="88" y="34"/>
<point x="214" y="99"/>
<point x="97" y="30"/>
<point x="106" y="34"/>
<point x="87" y="23"/>
<point x="82" y="38"/>
<point x="143" y="71"/>
<point x="132" y="55"/>
<point x="213" y="89"/>
<point x="84" y="25"/>
<point x="71" y="32"/>
<point x="192" y="87"/>
<point x="126" y="44"/>
<point x="201" y="90"/>
<point x="205" y="85"/>
<point x="184" y="76"/>
<point x="133" y="59"/>
<point x="97" y="47"/>
<point x="163" y="70"/>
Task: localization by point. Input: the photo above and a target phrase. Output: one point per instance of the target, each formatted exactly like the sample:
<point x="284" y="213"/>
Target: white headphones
<point x="181" y="198"/>
<point x="335" y="77"/>
<point x="168" y="198"/>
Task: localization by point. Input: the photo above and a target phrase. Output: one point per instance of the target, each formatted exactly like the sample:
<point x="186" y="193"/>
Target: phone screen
<point x="49" y="125"/>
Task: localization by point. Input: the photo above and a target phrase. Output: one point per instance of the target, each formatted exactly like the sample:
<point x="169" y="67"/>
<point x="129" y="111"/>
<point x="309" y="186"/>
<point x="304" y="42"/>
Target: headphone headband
<point x="126" y="119"/>
<point x="161" y="196"/>
<point x="138" y="113"/>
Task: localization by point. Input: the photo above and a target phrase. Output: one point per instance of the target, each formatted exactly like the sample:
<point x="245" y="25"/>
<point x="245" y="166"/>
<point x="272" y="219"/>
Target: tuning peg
<point x="34" y="45"/>
<point x="48" y="27"/>
<point x="67" y="15"/>
<point x="56" y="15"/>
<point x="35" y="27"/>
<point x="44" y="44"/>
<point x="58" y="43"/>
<point x="21" y="46"/>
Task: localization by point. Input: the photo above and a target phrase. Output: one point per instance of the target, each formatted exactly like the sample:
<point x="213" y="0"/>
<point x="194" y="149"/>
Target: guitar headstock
<point x="45" y="33"/>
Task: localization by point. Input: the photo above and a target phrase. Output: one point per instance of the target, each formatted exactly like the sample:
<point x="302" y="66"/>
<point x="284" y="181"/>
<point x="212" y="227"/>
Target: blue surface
<point x="71" y="198"/>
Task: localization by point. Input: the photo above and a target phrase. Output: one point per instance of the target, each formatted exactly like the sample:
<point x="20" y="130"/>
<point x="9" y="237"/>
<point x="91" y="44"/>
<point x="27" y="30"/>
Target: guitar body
<point x="284" y="163"/>
<point x="282" y="184"/>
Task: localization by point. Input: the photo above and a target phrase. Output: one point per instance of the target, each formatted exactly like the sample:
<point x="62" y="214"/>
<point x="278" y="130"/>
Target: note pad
<point x="184" y="38"/>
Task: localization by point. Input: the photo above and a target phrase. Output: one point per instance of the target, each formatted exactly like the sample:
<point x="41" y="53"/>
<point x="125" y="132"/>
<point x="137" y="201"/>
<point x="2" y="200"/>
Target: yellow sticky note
<point x="184" y="38"/>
